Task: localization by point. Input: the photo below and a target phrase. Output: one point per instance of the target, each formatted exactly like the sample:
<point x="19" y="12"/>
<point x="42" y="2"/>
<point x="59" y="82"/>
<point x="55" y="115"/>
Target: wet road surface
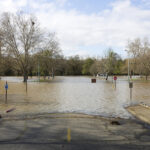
<point x="85" y="132"/>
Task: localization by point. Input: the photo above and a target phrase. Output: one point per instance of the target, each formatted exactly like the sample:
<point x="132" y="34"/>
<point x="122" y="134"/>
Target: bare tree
<point x="134" y="48"/>
<point x="111" y="63"/>
<point x="101" y="66"/>
<point x="49" y="54"/>
<point x="140" y="53"/>
<point x="94" y="68"/>
<point x="21" y="35"/>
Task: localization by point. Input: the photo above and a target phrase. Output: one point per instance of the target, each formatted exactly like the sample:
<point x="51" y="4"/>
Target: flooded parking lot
<point x="71" y="94"/>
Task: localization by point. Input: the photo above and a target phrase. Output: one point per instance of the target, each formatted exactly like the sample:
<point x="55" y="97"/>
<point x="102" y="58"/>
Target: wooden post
<point x="115" y="84"/>
<point x="6" y="97"/>
<point x="26" y="86"/>
<point x="115" y="78"/>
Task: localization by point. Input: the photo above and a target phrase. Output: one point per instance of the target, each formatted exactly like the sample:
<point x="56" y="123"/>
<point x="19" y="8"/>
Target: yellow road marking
<point x="113" y="86"/>
<point x="68" y="135"/>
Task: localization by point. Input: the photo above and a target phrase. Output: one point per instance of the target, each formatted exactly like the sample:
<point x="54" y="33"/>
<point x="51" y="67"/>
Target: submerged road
<point x="72" y="131"/>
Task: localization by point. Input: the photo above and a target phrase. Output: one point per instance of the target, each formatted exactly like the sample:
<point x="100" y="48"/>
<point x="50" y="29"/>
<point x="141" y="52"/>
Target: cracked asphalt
<point x="50" y="131"/>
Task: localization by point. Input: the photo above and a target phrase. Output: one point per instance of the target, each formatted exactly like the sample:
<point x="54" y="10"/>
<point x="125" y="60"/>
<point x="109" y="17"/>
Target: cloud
<point x="61" y="2"/>
<point x="146" y="2"/>
<point x="108" y="28"/>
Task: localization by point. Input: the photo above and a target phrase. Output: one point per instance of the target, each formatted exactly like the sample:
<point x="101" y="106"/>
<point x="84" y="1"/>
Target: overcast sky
<point x="88" y="27"/>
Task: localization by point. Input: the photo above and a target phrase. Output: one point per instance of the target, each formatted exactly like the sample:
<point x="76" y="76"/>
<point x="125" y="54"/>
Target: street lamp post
<point x="128" y="65"/>
<point x="38" y="70"/>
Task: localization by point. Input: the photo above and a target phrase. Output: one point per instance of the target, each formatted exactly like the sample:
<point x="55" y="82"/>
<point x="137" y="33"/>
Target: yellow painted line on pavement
<point x="113" y="86"/>
<point x="68" y="135"/>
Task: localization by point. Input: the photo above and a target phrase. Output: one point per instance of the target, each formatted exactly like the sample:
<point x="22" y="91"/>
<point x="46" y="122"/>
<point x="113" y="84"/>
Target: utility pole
<point x="128" y="65"/>
<point x="38" y="70"/>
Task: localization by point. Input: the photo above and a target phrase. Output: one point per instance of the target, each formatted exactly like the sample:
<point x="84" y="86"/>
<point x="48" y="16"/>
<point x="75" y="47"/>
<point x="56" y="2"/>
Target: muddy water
<point x="71" y="94"/>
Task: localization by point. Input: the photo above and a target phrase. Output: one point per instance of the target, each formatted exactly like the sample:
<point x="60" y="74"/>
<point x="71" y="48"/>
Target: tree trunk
<point x="44" y="77"/>
<point x="146" y="77"/>
<point x="106" y="76"/>
<point x="25" y="77"/>
<point x="52" y="73"/>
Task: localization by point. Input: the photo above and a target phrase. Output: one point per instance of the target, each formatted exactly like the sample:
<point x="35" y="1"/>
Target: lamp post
<point x="128" y="65"/>
<point x="38" y="70"/>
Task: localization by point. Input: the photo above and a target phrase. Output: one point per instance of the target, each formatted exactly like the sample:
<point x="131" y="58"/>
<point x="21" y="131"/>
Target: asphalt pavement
<point x="73" y="132"/>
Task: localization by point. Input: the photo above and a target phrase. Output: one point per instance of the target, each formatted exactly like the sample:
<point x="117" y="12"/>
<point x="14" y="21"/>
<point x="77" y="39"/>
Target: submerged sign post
<point x="130" y="86"/>
<point x="93" y="80"/>
<point x="115" y="78"/>
<point x="6" y="88"/>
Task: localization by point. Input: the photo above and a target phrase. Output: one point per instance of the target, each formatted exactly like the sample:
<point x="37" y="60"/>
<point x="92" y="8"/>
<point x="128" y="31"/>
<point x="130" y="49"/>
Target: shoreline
<point x="60" y="115"/>
<point x="141" y="112"/>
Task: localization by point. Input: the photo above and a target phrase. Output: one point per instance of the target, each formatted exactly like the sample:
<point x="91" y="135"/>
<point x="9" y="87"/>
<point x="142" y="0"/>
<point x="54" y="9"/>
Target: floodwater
<point x="71" y="94"/>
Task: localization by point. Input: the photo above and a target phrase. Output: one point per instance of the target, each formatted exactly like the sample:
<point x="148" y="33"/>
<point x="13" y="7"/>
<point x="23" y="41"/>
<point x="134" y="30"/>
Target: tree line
<point x="27" y="50"/>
